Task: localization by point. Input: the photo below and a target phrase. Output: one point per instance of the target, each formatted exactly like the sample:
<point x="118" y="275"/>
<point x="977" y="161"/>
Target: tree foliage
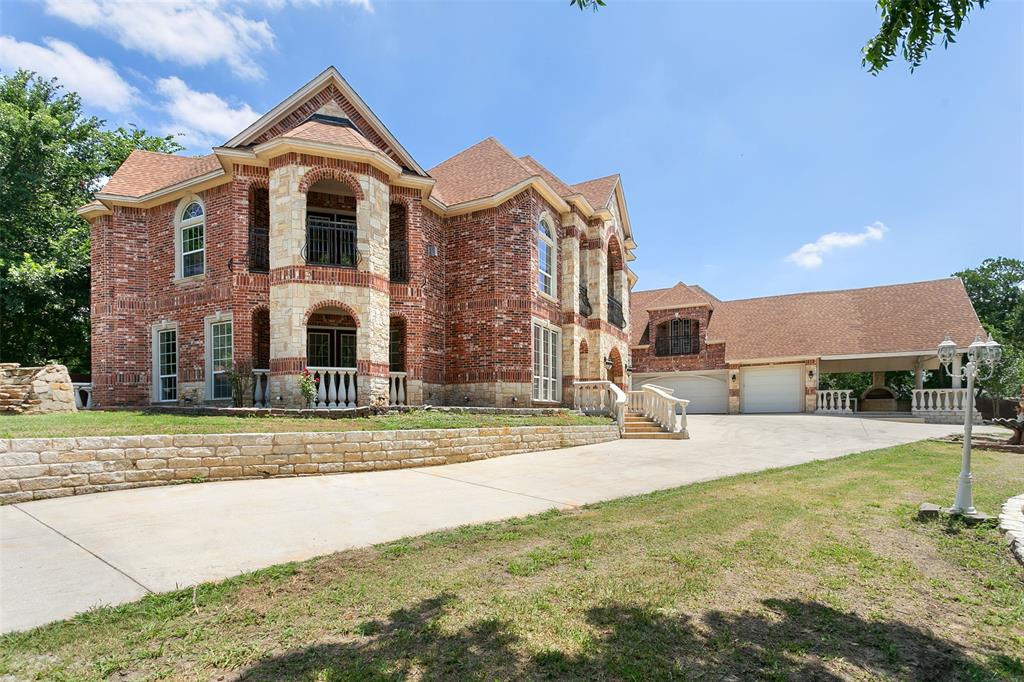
<point x="996" y="288"/>
<point x="909" y="27"/>
<point x="52" y="159"/>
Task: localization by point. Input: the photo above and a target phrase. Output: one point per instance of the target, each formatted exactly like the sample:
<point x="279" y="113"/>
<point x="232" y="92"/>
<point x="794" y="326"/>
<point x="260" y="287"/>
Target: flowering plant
<point x="309" y="385"/>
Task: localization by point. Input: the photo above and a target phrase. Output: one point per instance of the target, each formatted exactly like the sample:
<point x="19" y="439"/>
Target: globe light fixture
<point x="982" y="357"/>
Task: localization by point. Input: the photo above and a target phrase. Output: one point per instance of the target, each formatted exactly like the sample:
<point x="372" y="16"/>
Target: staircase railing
<point x="601" y="397"/>
<point x="666" y="410"/>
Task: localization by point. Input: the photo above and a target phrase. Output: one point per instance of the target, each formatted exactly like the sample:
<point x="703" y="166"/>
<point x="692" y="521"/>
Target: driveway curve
<point x="63" y="556"/>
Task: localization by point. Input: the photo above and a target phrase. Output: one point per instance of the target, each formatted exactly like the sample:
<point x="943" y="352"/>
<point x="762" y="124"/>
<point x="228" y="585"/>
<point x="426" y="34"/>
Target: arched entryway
<point x="260" y="330"/>
<point x="616" y="283"/>
<point x="331" y="353"/>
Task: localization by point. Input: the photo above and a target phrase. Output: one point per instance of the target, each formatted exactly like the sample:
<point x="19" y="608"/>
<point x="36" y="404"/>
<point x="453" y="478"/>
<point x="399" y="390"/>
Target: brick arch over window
<point x="344" y="307"/>
<point x="315" y="175"/>
<point x="615" y="261"/>
<point x="616" y="374"/>
<point x="584" y="348"/>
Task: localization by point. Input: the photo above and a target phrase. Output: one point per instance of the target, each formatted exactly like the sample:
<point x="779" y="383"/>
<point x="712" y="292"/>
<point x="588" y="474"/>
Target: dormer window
<point x="191" y="239"/>
<point x="677" y="337"/>
<point x="545" y="258"/>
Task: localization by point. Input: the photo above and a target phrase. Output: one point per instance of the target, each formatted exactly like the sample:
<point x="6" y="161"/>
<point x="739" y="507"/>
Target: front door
<point x="330" y="347"/>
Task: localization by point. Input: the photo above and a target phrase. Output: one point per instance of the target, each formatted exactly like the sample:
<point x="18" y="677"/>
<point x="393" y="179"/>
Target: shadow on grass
<point x="792" y="639"/>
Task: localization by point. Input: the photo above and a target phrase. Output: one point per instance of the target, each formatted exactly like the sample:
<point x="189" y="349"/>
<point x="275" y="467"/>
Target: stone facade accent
<point x="40" y="468"/>
<point x="35" y="389"/>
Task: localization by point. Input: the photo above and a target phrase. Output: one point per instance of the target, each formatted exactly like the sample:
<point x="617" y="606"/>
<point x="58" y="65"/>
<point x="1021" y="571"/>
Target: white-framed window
<point x="545" y="257"/>
<point x="219" y="356"/>
<point x="547" y="370"/>
<point x="191" y="238"/>
<point x="165" y="363"/>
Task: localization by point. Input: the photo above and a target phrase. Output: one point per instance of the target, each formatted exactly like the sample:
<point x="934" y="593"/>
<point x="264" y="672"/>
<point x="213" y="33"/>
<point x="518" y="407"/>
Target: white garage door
<point x="772" y="389"/>
<point x="707" y="393"/>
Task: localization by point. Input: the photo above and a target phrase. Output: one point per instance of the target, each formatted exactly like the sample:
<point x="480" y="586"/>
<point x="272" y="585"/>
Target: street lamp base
<point x="971" y="517"/>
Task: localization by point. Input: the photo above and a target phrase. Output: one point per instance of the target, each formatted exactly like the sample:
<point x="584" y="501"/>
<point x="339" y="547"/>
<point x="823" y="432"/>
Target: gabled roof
<point x="480" y="171"/>
<point x="144" y="172"/>
<point x="898" y="318"/>
<point x="329" y="76"/>
<point x="597" y="191"/>
<point x="678" y="296"/>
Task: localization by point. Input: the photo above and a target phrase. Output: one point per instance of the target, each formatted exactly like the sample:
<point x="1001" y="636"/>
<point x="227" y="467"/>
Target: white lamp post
<point x="981" y="357"/>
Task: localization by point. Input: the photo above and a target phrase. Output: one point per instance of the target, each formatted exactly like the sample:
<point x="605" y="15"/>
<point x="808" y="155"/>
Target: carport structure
<point x="766" y="355"/>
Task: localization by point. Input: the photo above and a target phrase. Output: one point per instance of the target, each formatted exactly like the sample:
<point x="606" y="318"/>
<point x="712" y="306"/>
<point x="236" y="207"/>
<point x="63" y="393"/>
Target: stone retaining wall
<point x="40" y="468"/>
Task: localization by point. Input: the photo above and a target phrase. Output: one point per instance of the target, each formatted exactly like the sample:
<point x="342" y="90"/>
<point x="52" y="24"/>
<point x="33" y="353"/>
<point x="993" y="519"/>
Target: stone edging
<point x="1011" y="522"/>
<point x="40" y="468"/>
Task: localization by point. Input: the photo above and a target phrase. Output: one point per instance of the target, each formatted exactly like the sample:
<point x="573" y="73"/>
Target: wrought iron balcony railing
<point x="615" y="315"/>
<point x="330" y="240"/>
<point x="585" y="309"/>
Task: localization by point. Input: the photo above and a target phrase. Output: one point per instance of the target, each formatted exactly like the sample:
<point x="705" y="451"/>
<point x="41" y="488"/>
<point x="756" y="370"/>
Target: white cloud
<point x="95" y="80"/>
<point x="187" y="32"/>
<point x="182" y="31"/>
<point x="203" y="117"/>
<point x="810" y="255"/>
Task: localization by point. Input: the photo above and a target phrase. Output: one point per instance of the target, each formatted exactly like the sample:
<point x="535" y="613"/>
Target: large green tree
<point x="52" y="160"/>
<point x="909" y="28"/>
<point x="996" y="288"/>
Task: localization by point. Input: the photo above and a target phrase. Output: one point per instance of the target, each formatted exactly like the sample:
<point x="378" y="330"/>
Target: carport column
<point x="919" y="374"/>
<point x="734" y="389"/>
<point x="810" y="385"/>
<point x="956" y="370"/>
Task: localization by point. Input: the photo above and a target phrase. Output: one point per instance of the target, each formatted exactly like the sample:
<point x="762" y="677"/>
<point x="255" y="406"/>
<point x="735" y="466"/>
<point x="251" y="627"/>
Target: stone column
<point x="918" y="374"/>
<point x="956" y="370"/>
<point x="734" y="389"/>
<point x="287" y="307"/>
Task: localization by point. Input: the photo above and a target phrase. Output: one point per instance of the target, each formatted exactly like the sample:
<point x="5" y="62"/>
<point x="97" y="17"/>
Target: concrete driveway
<point x="63" y="556"/>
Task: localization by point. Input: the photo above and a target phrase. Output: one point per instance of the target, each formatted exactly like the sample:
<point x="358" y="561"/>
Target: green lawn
<point x="817" y="572"/>
<point x="137" y="423"/>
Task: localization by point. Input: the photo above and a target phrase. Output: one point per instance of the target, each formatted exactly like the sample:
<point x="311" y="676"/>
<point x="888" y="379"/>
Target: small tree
<point x="241" y="378"/>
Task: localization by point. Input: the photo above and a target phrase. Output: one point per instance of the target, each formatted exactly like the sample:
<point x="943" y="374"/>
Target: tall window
<point x="220" y="354"/>
<point x="259" y="229"/>
<point x="167" y="364"/>
<point x="545" y="258"/>
<point x="398" y="244"/>
<point x="193" y="240"/>
<point x="547" y="350"/>
<point x="677" y="337"/>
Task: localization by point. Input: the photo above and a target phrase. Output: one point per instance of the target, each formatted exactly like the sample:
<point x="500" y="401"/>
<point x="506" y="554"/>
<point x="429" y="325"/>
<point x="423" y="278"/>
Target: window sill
<point x="190" y="278"/>
<point x="548" y="296"/>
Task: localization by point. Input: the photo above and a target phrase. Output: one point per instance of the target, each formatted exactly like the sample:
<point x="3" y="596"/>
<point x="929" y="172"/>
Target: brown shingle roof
<point x="597" y="191"/>
<point x="678" y="296"/>
<point x="556" y="183"/>
<point x="483" y="170"/>
<point x="144" y="172"/>
<point x="318" y="131"/>
<point x="886" y="319"/>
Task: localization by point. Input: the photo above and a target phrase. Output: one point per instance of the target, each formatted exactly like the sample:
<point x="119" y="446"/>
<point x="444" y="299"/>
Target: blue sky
<point x="745" y="133"/>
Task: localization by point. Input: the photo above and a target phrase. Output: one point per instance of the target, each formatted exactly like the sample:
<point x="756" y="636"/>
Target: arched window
<point x="545" y="258"/>
<point x="677" y="337"/>
<point x="192" y="239"/>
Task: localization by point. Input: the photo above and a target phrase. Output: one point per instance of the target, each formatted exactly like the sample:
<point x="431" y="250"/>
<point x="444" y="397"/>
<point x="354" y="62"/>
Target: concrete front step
<point x="660" y="435"/>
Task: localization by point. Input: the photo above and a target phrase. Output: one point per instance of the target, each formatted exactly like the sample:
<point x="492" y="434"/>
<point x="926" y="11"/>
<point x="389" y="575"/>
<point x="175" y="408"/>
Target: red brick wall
<point x="710" y="356"/>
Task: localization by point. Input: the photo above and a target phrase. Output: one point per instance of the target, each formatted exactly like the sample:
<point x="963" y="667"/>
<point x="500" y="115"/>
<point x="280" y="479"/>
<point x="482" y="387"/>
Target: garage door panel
<point x="772" y="389"/>
<point x="708" y="393"/>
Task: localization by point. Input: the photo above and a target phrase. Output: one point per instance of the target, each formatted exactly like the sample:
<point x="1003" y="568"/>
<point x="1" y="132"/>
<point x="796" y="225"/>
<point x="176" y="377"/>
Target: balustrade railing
<point x="836" y="402"/>
<point x="939" y="400"/>
<point x="261" y="388"/>
<point x="398" y="388"/>
<point x="668" y="411"/>
<point x="601" y="397"/>
<point x="336" y="386"/>
<point x="635" y="401"/>
<point x="83" y="394"/>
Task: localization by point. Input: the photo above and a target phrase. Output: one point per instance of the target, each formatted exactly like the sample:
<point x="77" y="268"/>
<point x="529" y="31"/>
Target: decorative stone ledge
<point x="40" y="468"/>
<point x="1011" y="522"/>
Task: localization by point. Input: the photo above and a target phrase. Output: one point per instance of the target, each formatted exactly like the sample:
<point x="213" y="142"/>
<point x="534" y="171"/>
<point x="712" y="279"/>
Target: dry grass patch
<point x="815" y="572"/>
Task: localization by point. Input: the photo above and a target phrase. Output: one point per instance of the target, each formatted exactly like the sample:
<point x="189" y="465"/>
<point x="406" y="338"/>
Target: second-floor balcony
<point x="585" y="309"/>
<point x="330" y="240"/>
<point x="615" y="315"/>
